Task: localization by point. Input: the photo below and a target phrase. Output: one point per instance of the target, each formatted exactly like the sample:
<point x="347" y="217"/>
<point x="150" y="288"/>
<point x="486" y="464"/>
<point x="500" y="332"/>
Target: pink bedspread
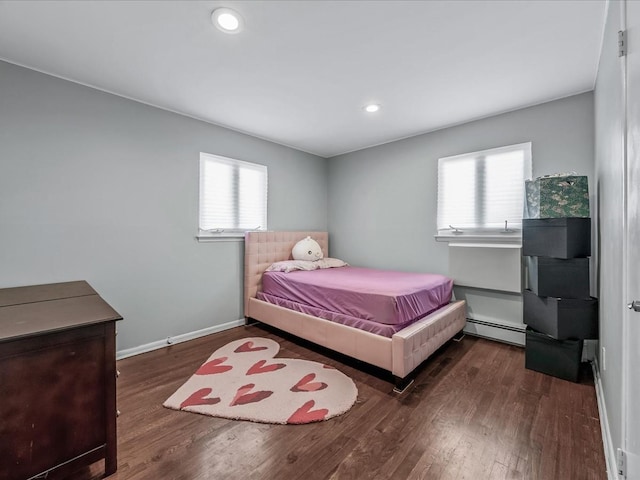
<point x="382" y="296"/>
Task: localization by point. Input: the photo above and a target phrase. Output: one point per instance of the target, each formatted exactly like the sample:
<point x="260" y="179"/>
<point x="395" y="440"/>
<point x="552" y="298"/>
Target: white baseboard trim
<point x="609" y="451"/>
<point x="148" y="347"/>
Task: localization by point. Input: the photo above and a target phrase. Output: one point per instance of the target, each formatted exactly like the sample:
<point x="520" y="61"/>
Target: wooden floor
<point x="474" y="412"/>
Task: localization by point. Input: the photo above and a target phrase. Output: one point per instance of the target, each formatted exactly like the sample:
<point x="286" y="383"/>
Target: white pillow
<point x="291" y="265"/>
<point x="328" y="262"/>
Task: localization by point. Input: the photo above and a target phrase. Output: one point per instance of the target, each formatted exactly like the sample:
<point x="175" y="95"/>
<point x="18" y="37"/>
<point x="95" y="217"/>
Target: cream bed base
<point x="400" y="354"/>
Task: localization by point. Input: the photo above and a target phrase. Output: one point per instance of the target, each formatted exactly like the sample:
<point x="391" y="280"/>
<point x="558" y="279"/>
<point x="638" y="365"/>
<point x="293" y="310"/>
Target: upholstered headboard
<point x="261" y="249"/>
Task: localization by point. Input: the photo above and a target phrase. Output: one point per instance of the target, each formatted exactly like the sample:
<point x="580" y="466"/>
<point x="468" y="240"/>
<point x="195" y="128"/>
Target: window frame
<point x="487" y="234"/>
<point x="229" y="234"/>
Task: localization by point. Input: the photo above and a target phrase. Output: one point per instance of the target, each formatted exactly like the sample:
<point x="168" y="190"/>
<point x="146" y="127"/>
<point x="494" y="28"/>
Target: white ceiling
<point x="301" y="71"/>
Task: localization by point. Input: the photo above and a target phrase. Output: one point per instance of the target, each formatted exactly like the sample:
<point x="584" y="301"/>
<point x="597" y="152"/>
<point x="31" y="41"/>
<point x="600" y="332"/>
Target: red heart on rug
<point x="248" y="347"/>
<point x="260" y="367"/>
<point x="305" y="415"/>
<point x="198" y="398"/>
<point x="306" y="385"/>
<point x="243" y="396"/>
<point x="214" y="366"/>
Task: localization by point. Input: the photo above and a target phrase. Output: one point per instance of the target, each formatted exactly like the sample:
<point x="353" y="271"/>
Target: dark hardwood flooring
<point x="474" y="412"/>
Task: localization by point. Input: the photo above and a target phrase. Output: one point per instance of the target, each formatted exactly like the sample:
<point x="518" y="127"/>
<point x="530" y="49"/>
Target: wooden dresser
<point x="57" y="381"/>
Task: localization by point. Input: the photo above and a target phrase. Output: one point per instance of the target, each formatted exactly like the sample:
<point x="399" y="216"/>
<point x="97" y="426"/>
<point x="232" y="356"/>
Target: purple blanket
<point x="382" y="296"/>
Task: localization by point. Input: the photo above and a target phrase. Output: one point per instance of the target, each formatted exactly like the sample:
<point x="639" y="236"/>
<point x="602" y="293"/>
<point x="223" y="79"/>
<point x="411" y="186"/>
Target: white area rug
<point x="243" y="381"/>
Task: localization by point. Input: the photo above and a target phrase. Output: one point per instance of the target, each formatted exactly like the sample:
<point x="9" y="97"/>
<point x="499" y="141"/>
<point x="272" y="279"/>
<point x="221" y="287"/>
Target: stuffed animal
<point x="307" y="249"/>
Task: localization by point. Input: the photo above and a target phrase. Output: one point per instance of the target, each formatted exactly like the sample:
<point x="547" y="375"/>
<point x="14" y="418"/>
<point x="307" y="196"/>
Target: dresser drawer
<point x="53" y="407"/>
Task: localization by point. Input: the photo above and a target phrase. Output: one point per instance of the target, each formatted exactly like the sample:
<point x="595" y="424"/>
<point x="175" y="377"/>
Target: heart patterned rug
<point x="244" y="381"/>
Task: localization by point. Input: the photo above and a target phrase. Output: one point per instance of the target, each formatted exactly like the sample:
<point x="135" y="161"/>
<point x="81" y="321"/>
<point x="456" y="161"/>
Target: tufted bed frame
<point x="400" y="354"/>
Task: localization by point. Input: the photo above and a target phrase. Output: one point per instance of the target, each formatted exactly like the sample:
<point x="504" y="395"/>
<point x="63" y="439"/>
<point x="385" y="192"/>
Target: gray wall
<point x="609" y="136"/>
<point x="382" y="200"/>
<point x="97" y="187"/>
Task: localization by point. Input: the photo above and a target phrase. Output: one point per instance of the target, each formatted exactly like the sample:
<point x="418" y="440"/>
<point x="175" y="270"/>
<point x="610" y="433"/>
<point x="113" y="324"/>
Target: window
<point x="478" y="192"/>
<point x="233" y="196"/>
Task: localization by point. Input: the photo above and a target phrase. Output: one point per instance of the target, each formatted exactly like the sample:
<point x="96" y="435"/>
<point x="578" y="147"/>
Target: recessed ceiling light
<point x="227" y="20"/>
<point x="371" y="108"/>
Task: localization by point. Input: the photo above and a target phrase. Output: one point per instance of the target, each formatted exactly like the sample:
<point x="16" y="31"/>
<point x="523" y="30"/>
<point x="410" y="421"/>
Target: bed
<point x="398" y="352"/>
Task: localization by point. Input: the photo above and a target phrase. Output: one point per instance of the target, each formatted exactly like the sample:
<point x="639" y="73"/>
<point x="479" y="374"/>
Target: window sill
<point x="513" y="240"/>
<point x="220" y="238"/>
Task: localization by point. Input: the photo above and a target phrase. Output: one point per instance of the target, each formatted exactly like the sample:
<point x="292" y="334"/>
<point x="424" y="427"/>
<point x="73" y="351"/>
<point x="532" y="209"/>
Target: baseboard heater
<point x="497" y="325"/>
<point x="512" y="334"/>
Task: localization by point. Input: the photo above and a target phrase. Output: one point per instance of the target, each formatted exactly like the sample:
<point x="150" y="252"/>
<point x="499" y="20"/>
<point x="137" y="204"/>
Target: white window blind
<point x="480" y="191"/>
<point x="233" y="195"/>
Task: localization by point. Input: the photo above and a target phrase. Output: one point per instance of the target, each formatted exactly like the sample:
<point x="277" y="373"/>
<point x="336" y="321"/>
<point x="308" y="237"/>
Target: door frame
<point x="631" y="249"/>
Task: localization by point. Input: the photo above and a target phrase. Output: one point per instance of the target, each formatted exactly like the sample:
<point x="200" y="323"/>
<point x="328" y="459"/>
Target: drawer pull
<point x="117" y="373"/>
<point x="117" y="413"/>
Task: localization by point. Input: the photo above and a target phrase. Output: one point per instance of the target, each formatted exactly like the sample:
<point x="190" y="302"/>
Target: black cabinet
<point x="556" y="277"/>
<point x="559" y="358"/>
<point x="556" y="237"/>
<point x="561" y="318"/>
<point x="558" y="310"/>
